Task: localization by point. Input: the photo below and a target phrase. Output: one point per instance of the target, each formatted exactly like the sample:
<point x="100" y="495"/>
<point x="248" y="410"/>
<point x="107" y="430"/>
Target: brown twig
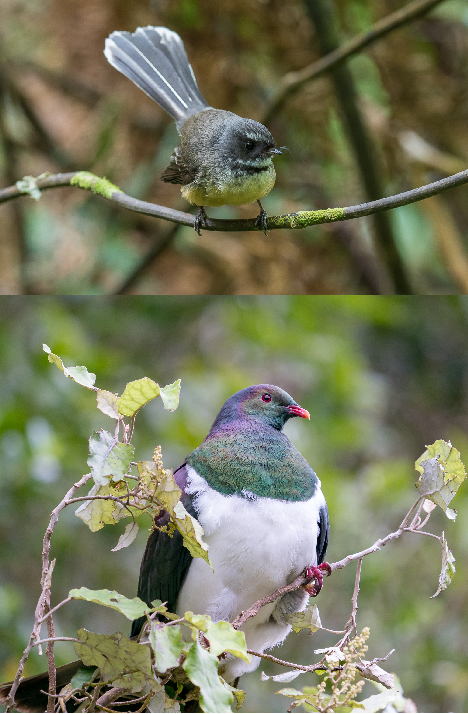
<point x="47" y="569"/>
<point x="256" y="607"/>
<point x="293" y="81"/>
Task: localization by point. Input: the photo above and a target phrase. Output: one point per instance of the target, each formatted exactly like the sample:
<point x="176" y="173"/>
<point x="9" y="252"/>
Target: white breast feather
<point x="256" y="546"/>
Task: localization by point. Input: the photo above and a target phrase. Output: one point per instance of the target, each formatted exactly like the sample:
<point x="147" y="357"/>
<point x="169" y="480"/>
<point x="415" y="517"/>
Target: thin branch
<point x="57" y="639"/>
<point x="292" y="665"/>
<point x="293" y="81"/>
<point x="298" y="220"/>
<point x="256" y="607"/>
<point x="45" y="587"/>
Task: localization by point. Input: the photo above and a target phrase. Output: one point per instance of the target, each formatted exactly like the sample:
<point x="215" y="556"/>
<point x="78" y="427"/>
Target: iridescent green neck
<point x="256" y="460"/>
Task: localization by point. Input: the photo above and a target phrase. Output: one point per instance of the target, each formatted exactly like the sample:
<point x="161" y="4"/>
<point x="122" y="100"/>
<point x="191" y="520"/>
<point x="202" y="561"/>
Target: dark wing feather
<point x="166" y="560"/>
<point x="323" y="534"/>
<point x="178" y="173"/>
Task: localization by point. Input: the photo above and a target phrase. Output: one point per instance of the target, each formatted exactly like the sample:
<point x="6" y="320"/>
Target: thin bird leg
<point x="201" y="216"/>
<point x="261" y="221"/>
<point x="314" y="587"/>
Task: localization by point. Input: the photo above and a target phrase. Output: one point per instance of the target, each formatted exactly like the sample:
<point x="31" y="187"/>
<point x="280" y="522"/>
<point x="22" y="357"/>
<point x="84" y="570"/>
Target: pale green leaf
<point x="136" y="394"/>
<point x="80" y="375"/>
<point x="108" y="458"/>
<point x="224" y="638"/>
<point x="83" y="675"/>
<point x="376" y="702"/>
<point x="308" y="619"/>
<point x="123" y="662"/>
<point x="238" y="693"/>
<point x="442" y="472"/>
<point x="448" y="568"/>
<point x="107" y="403"/>
<point x="170" y="395"/>
<point x="162" y="484"/>
<point x="201" y="622"/>
<point x="167" y="644"/>
<point x="132" y="609"/>
<point x="202" y="669"/>
<point x="191" y="531"/>
<point x="291" y="692"/>
<point x="97" y="513"/>
<point x="127" y="537"/>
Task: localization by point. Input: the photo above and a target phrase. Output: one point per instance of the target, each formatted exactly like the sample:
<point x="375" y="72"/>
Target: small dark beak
<point x="296" y="410"/>
<point x="272" y="150"/>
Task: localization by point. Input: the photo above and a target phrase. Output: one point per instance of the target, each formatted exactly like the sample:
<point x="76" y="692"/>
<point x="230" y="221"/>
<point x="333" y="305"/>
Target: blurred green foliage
<point x="381" y="378"/>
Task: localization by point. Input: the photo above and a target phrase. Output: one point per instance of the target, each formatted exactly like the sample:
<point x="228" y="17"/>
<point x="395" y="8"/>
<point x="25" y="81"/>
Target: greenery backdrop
<point x="381" y="377"/>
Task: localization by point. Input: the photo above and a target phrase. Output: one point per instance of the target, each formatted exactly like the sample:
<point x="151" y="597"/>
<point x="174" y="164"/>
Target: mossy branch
<point x="298" y="220"/>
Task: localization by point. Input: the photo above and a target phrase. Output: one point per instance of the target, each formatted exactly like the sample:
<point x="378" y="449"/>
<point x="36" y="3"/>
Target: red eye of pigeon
<point x="266" y="398"/>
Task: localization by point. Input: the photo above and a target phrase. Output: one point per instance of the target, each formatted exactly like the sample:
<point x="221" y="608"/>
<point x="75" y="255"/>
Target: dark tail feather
<point x="154" y="58"/>
<point x="29" y="698"/>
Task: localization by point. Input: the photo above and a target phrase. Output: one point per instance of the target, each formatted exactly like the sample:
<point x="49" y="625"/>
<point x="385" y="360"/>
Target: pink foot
<point x="316" y="575"/>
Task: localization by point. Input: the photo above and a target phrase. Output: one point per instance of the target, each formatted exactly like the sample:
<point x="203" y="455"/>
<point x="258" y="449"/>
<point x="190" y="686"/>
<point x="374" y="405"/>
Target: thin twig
<point x="292" y="665"/>
<point x="64" y="602"/>
<point x="293" y="81"/>
<point x="45" y="586"/>
<point x="57" y="639"/>
<point x="256" y="607"/>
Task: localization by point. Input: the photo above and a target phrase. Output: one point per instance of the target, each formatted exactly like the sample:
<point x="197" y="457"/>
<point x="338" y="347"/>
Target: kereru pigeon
<point x="265" y="521"/>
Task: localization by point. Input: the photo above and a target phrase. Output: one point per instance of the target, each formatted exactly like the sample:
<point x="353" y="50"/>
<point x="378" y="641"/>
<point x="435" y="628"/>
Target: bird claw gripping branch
<point x="316" y="575"/>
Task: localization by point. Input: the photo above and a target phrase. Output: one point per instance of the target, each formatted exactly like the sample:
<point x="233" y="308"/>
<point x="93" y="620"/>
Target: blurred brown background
<point x="63" y="108"/>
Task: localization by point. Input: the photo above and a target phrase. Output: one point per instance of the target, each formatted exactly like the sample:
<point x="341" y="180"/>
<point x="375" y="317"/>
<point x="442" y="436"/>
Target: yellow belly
<point x="235" y="192"/>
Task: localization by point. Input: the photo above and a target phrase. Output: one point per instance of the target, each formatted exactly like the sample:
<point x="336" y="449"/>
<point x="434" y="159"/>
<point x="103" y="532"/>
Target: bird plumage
<point x="264" y="516"/>
<point x="154" y="58"/>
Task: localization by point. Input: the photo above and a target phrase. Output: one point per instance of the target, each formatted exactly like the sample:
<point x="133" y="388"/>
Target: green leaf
<point x="83" y="675"/>
<point x="448" y="568"/>
<point x="108" y="458"/>
<point x="442" y="472"/>
<point x="127" y="537"/>
<point x="201" y="622"/>
<point x="170" y="395"/>
<point x="136" y="394"/>
<point x="238" y="693"/>
<point x="107" y="403"/>
<point x="202" y="669"/>
<point x="224" y="638"/>
<point x="291" y="692"/>
<point x="132" y="609"/>
<point x="191" y="532"/>
<point x="376" y="702"/>
<point x="308" y="619"/>
<point x="168" y="494"/>
<point x="121" y="661"/>
<point x="80" y="375"/>
<point x="167" y="644"/>
<point x="97" y="513"/>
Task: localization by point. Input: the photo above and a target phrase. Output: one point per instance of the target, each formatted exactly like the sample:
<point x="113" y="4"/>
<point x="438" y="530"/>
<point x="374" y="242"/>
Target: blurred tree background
<point x="63" y="108"/>
<point x="381" y="377"/>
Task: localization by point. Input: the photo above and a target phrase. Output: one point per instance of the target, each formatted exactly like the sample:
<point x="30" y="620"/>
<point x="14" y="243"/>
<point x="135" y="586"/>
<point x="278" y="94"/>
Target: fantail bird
<point x="222" y="158"/>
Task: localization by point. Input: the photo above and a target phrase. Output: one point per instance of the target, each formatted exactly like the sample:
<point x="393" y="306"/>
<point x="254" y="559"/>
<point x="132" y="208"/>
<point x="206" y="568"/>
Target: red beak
<point x="296" y="410"/>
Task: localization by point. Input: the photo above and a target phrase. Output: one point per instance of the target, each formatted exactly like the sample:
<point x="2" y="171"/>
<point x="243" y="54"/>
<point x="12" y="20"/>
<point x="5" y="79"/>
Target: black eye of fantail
<point x="266" y="398"/>
<point x="249" y="144"/>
